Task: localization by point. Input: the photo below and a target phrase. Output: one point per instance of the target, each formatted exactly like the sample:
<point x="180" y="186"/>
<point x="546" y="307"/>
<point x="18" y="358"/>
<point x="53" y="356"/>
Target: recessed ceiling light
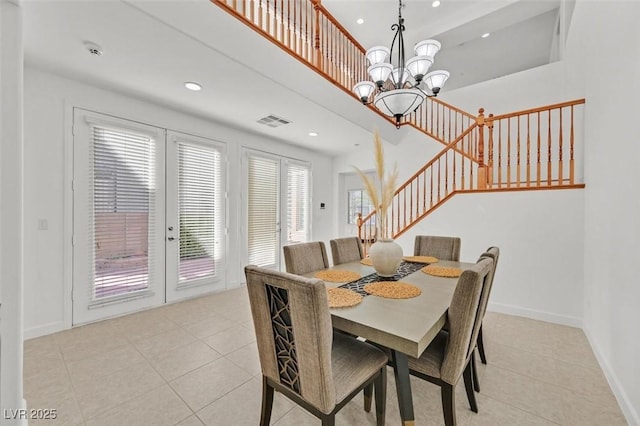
<point x="360" y="21"/>
<point x="313" y="134"/>
<point x="192" y="86"/>
<point x="485" y="35"/>
<point x="436" y="3"/>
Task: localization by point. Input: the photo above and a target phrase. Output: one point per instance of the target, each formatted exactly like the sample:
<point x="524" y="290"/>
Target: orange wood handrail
<point x="536" y="110"/>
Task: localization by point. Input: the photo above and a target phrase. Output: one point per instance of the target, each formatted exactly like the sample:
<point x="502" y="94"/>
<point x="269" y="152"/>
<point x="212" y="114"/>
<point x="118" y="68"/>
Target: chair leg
<point x="483" y="356"/>
<point x="381" y="396"/>
<point x="474" y="370"/>
<point x="329" y="420"/>
<point x="468" y="385"/>
<point x="267" y="403"/>
<point x="368" y="392"/>
<point x="448" y="394"/>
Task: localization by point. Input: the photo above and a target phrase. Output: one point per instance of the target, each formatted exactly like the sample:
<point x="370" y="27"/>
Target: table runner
<point x="405" y="268"/>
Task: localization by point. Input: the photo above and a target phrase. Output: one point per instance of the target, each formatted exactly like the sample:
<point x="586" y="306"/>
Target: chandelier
<point x="400" y="87"/>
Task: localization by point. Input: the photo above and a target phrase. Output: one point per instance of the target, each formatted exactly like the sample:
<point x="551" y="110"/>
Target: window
<point x="358" y="202"/>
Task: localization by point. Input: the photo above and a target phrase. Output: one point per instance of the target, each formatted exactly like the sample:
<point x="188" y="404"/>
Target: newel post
<point x="316" y="45"/>
<point x="359" y="223"/>
<point x="482" y="172"/>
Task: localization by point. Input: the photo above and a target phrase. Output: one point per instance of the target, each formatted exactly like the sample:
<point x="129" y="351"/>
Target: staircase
<point x="525" y="150"/>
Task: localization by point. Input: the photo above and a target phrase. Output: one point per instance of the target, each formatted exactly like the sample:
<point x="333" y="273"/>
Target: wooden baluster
<point x="538" y="171"/>
<point x="287" y="35"/>
<point x="500" y="154"/>
<point x="472" y="144"/>
<point x="482" y="177"/>
<point x="518" y="175"/>
<point x="267" y="17"/>
<point x="439" y="178"/>
<point x="454" y="156"/>
<point x="244" y="9"/>
<point x="318" y="52"/>
<point x="571" y="162"/>
<point x="398" y="210"/>
<point x="431" y="188"/>
<point x="528" y="150"/>
<point x="431" y="121"/>
<point x="411" y="202"/>
<point x="560" y="162"/>
<point x="508" y="152"/>
<point x="490" y="165"/>
<point x="404" y="212"/>
<point x="462" y="180"/>
<point x="281" y="23"/>
<point x="449" y="138"/>
<point x="446" y="173"/>
<point x="424" y="190"/>
<point x="549" y="151"/>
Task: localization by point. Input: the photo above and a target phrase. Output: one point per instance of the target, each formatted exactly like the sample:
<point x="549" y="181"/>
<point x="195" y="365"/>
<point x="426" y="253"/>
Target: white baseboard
<point x="535" y="314"/>
<point x="630" y="413"/>
<point x="43" y="330"/>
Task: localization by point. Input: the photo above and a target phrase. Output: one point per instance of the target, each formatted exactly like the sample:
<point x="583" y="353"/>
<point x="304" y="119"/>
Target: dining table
<point x="404" y="326"/>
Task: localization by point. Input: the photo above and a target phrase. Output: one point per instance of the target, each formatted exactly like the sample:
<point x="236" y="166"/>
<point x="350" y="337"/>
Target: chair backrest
<point x="492" y="253"/>
<point x="345" y="250"/>
<point x="444" y="248"/>
<point x="462" y="320"/>
<point x="294" y="333"/>
<point x="303" y="258"/>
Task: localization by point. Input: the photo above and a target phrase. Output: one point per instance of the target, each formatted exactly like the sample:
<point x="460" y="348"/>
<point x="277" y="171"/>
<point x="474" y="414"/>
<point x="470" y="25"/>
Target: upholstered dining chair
<point x="303" y="258"/>
<point x="345" y="250"/>
<point x="444" y="248"/>
<point x="492" y="253"/>
<point x="448" y="356"/>
<point x="300" y="356"/>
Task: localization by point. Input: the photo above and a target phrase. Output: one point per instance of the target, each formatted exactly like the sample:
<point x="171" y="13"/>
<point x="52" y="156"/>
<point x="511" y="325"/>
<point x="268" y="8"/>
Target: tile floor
<point x="196" y="363"/>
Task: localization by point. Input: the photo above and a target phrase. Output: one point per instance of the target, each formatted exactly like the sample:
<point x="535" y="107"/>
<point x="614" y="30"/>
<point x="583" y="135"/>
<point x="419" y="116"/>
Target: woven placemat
<point x="393" y="289"/>
<point x="342" y="297"/>
<point x="335" y="276"/>
<point x="421" y="259"/>
<point x="367" y="261"/>
<point x="442" y="271"/>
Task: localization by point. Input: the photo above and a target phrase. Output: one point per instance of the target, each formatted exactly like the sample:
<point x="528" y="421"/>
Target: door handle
<point x="170" y="238"/>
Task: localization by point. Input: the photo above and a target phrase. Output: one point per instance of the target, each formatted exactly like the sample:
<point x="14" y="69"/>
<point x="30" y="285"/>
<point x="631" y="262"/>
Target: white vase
<point x="386" y="256"/>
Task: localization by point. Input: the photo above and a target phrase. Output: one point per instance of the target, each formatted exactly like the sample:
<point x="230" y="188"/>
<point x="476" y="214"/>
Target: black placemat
<point x="405" y="268"/>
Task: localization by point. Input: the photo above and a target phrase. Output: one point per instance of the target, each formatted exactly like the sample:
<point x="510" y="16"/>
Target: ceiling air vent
<point x="273" y="121"/>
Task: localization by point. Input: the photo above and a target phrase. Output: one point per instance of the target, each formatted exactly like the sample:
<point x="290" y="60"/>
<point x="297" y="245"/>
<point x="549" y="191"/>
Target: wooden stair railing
<point x="309" y="32"/>
<point x="531" y="149"/>
<point x="525" y="150"/>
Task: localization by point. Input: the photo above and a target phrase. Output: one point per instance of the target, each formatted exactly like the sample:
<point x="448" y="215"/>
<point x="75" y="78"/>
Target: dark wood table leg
<point x="403" y="387"/>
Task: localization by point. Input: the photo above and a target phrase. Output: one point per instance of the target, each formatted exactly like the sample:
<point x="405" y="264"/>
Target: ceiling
<point x="152" y="47"/>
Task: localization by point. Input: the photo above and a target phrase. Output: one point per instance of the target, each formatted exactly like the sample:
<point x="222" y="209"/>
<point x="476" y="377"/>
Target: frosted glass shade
<point x="363" y="90"/>
<point x="400" y="102"/>
<point x="419" y="65"/>
<point x="377" y="54"/>
<point x="405" y="76"/>
<point x="427" y="48"/>
<point x="435" y="80"/>
<point x="380" y="72"/>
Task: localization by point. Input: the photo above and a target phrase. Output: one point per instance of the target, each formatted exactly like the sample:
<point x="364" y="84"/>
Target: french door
<point x="195" y="216"/>
<point x="277" y="206"/>
<point x="149" y="208"/>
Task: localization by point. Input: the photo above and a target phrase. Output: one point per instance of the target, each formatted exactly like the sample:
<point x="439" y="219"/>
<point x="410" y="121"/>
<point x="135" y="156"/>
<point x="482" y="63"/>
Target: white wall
<point x="48" y="99"/>
<point x="612" y="206"/>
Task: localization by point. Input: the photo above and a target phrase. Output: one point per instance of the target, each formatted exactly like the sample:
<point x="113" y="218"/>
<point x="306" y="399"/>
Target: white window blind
<point x="263" y="193"/>
<point x="200" y="198"/>
<point x="121" y="171"/>
<point x="298" y="203"/>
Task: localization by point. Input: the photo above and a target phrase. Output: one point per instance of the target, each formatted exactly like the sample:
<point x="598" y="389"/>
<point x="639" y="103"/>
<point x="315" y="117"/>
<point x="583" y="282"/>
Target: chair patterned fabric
<point x="444" y="248"/>
<point x="303" y="258"/>
<point x="299" y="354"/>
<point x="345" y="250"/>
